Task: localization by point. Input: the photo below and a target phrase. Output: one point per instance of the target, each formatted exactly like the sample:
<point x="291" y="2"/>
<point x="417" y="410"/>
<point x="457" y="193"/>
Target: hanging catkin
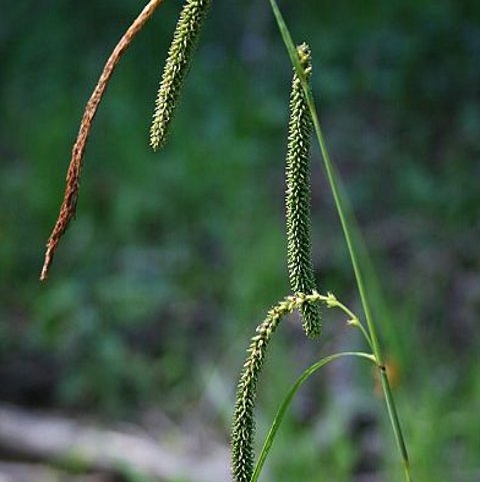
<point x="299" y="252"/>
<point x="181" y="50"/>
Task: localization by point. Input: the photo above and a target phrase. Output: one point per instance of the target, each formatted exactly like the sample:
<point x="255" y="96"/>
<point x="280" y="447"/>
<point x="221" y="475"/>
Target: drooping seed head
<point x="181" y="50"/>
<point x="298" y="219"/>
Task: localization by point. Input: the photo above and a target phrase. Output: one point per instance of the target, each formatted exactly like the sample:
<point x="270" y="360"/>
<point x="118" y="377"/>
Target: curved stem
<point x="332" y="302"/>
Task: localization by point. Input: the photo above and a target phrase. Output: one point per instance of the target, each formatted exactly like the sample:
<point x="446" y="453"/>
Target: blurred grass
<point x="174" y="257"/>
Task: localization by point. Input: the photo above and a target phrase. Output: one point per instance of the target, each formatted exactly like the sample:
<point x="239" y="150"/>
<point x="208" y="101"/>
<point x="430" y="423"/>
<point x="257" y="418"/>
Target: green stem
<point x="353" y="321"/>
<point x="332" y="179"/>
<point x="392" y="411"/>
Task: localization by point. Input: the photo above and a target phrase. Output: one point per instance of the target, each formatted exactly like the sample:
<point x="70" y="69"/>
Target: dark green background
<point x="174" y="257"/>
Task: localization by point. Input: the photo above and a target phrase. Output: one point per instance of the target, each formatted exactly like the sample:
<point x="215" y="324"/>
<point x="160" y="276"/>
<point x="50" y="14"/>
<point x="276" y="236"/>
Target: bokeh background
<point x="174" y="257"/>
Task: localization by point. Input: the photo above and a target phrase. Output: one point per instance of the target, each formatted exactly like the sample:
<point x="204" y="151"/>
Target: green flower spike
<point x="180" y="53"/>
<point x="243" y="429"/>
<point x="299" y="251"/>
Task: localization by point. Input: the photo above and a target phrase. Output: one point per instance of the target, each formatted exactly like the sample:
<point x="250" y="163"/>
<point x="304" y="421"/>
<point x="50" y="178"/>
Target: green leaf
<point x="288" y="399"/>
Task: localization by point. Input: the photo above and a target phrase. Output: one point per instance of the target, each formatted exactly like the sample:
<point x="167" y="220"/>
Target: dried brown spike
<point x="69" y="204"/>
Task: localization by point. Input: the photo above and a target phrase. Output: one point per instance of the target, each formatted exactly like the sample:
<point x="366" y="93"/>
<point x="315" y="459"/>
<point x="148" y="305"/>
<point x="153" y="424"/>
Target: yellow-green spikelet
<point x="178" y="60"/>
<point x="299" y="257"/>
<point x="243" y="428"/>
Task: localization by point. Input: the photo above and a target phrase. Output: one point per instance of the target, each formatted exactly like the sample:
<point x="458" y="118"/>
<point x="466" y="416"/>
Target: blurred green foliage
<point x="174" y="256"/>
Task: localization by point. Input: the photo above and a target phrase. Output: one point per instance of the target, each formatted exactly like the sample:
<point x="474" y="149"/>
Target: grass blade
<point x="288" y="399"/>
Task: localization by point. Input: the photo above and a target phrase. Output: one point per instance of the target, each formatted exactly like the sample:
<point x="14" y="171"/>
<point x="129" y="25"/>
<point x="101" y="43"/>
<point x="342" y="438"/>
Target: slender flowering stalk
<point x="179" y="57"/>
<point x="243" y="430"/>
<point x="352" y="237"/>
<point x="299" y="251"/>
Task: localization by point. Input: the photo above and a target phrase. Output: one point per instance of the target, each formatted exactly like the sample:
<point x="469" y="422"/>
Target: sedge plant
<point x="304" y="296"/>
